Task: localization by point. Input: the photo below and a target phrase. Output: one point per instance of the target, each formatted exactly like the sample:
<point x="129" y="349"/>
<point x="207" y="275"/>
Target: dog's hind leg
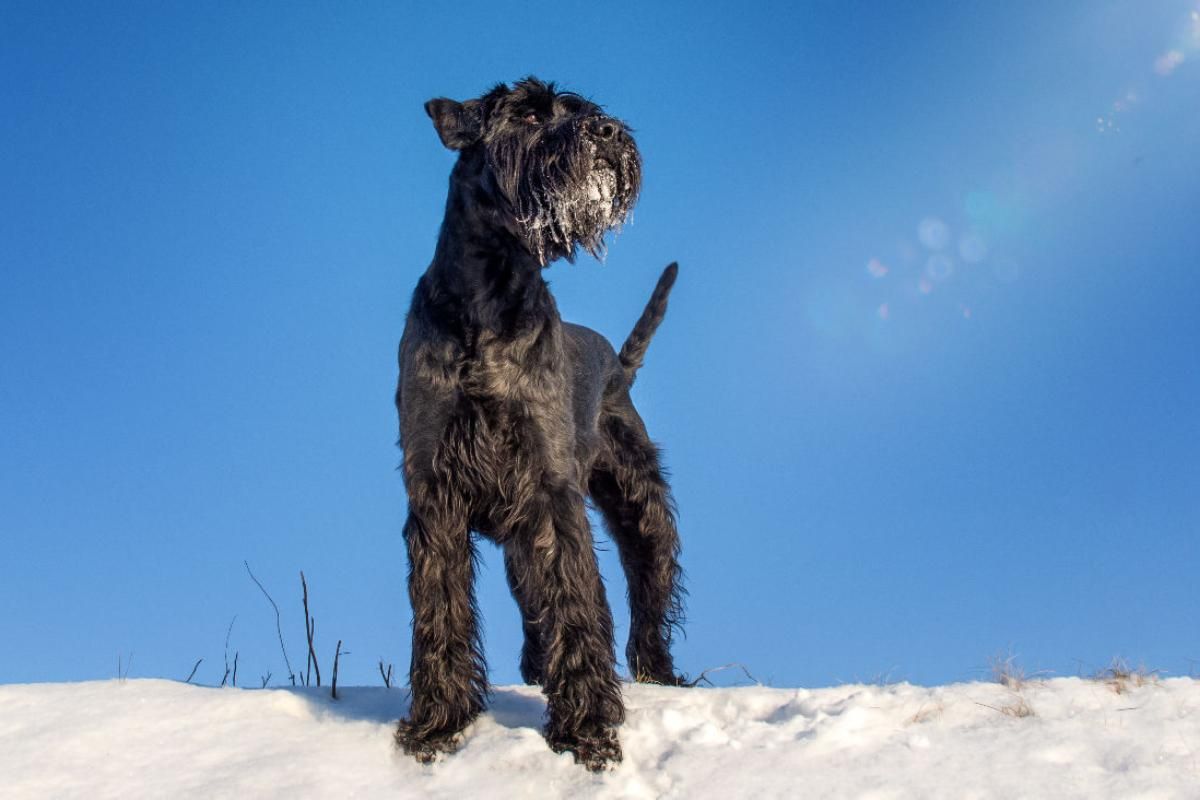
<point x="532" y="654"/>
<point x="448" y="676"/>
<point x="628" y="486"/>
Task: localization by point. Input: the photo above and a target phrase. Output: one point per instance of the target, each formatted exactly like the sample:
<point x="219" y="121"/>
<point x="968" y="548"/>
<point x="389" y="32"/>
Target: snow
<point x="155" y="738"/>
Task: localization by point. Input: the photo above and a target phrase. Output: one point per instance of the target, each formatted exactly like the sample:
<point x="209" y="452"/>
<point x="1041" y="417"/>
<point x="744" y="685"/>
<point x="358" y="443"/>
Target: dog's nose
<point x="604" y="128"/>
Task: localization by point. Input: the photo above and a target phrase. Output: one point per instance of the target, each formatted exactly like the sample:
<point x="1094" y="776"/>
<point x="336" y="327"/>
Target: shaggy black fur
<point x="510" y="417"/>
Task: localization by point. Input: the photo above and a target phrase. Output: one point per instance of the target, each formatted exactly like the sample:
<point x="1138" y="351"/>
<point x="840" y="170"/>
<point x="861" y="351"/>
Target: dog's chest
<point x="501" y="455"/>
<point x="516" y="414"/>
<point x="517" y="371"/>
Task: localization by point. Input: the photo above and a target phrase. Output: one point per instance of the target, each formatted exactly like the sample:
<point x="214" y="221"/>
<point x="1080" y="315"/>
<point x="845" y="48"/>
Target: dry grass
<point x="1121" y="677"/>
<point x="1007" y="672"/>
<point x="927" y="712"/>
<point x="1012" y="676"/>
<point x="1018" y="708"/>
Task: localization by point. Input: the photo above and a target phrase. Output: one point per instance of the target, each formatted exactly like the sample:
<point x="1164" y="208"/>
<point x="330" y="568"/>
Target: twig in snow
<point x="228" y="632"/>
<point x="310" y="626"/>
<point x="704" y="675"/>
<point x="387" y="676"/>
<point x="337" y="655"/>
<point x="278" y="627"/>
<point x="192" y="674"/>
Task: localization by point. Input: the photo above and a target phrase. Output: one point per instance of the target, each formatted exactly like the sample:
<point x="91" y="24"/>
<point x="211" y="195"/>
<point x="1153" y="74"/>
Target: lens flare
<point x="933" y="233"/>
<point x="939" y="267"/>
<point x="1186" y="41"/>
<point x="992" y="215"/>
<point x="972" y="248"/>
<point x="1168" y="62"/>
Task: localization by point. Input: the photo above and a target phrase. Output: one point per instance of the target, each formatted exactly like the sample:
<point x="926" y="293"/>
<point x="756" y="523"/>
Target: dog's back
<point x="601" y="376"/>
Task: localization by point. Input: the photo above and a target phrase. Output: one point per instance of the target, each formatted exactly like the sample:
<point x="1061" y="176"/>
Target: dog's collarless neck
<point x="482" y="277"/>
<point x="488" y="292"/>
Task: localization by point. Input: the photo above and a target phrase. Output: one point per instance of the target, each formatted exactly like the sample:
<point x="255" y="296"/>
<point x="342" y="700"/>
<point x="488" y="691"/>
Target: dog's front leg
<point x="554" y="559"/>
<point x="448" y="677"/>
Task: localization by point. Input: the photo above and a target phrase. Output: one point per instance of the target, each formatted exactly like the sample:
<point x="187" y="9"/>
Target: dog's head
<point x="561" y="171"/>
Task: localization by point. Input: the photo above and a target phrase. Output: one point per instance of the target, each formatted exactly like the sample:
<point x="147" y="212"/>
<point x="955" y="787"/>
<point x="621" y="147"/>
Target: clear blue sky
<point x="928" y="386"/>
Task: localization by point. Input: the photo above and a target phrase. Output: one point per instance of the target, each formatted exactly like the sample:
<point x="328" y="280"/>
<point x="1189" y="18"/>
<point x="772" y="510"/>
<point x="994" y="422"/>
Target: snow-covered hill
<point x="153" y="738"/>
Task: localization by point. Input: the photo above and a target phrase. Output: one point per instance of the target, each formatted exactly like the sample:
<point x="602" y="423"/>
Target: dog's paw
<point x="597" y="749"/>
<point x="423" y="745"/>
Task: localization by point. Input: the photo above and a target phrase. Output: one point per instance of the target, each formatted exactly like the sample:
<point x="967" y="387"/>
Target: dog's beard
<point x="563" y="192"/>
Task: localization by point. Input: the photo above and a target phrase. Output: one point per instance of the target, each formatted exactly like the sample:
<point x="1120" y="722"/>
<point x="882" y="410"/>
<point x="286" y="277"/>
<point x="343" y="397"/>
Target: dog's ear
<point x="458" y="125"/>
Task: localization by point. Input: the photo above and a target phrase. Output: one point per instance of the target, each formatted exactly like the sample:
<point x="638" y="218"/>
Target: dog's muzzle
<point x="602" y="182"/>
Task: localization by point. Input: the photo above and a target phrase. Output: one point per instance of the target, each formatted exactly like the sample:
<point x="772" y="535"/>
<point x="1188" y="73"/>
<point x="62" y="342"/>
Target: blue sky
<point x="927" y="387"/>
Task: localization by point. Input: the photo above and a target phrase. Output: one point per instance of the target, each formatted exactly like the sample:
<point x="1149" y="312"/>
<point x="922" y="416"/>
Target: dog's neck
<point x="482" y="277"/>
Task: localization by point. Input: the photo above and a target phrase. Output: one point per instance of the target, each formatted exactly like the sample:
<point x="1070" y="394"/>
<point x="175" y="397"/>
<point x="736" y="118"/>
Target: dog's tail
<point x="634" y="349"/>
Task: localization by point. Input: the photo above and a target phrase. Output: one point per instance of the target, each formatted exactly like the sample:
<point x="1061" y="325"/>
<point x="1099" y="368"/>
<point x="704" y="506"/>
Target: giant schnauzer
<point x="510" y="418"/>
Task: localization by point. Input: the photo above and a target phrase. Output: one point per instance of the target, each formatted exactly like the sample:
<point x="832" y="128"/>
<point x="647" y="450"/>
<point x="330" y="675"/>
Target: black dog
<point x="510" y="417"/>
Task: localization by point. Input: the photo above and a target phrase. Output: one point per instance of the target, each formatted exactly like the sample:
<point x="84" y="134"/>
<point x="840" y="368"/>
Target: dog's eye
<point x="532" y="118"/>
